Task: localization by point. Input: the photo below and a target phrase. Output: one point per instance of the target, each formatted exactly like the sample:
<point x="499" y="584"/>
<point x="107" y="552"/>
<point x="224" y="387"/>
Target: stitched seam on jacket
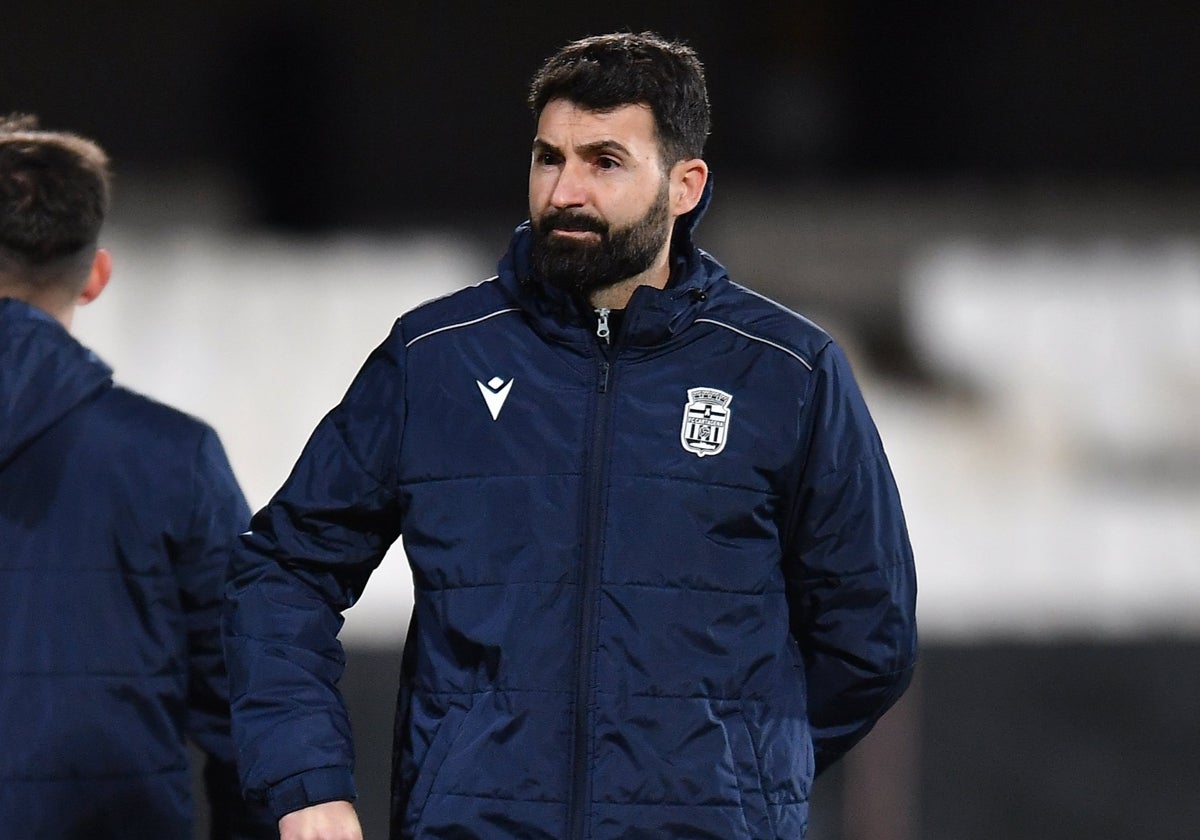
<point x="757" y="338"/>
<point x="132" y="774"/>
<point x="875" y="455"/>
<point x="491" y="689"/>
<point x="470" y="323"/>
<point x="537" y="476"/>
<point x="750" y="593"/>
<point x="871" y="571"/>
<point x="605" y="803"/>
<point x="479" y="476"/>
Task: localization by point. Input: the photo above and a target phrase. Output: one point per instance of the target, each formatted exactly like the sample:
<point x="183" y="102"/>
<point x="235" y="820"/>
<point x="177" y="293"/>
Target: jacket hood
<point x="44" y="374"/>
<point x="661" y="312"/>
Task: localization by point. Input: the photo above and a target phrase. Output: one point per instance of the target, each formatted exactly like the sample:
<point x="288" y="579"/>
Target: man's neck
<point x="617" y="295"/>
<point x="52" y="304"/>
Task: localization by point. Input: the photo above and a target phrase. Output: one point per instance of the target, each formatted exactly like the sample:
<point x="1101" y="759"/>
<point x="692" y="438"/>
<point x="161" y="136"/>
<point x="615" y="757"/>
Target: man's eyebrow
<point x="587" y="149"/>
<point x="602" y="146"/>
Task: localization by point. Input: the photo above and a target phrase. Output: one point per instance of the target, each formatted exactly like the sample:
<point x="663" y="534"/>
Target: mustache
<point x="571" y="220"/>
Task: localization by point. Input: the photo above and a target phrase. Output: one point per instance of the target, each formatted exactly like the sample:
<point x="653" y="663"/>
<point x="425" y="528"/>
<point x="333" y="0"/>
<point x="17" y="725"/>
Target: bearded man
<point x="662" y="577"/>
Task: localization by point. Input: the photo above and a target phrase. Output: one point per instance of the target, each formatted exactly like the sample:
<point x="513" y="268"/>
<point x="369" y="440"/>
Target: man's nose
<point x="570" y="188"/>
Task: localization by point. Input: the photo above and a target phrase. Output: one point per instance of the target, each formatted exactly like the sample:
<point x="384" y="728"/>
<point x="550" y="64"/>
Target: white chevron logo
<point x="495" y="392"/>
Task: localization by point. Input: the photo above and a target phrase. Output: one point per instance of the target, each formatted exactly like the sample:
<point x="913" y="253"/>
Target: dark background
<point x="375" y="116"/>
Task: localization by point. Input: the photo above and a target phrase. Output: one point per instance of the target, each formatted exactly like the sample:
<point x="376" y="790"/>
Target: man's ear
<point x="688" y="178"/>
<point x="97" y="278"/>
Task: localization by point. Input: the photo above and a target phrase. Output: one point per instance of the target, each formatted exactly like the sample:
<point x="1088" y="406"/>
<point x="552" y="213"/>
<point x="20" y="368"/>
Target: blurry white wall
<point x="1061" y="495"/>
<point x="1054" y="489"/>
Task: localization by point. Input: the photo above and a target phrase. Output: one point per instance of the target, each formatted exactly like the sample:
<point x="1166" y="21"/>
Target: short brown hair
<point x="54" y="195"/>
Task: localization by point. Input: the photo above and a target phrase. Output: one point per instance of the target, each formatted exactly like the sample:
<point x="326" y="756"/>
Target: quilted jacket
<point x="116" y="518"/>
<point x="659" y="585"/>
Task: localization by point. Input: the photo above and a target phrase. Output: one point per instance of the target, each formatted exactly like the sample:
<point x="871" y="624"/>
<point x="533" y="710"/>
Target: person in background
<point x="116" y="519"/>
<point x="662" y="576"/>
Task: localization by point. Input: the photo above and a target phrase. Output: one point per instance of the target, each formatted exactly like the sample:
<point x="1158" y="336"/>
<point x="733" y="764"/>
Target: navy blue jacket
<point x="116" y="517"/>
<point x="658" y="585"/>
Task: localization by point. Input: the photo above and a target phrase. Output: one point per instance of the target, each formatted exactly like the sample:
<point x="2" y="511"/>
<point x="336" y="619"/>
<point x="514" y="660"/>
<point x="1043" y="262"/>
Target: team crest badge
<point x="705" y="421"/>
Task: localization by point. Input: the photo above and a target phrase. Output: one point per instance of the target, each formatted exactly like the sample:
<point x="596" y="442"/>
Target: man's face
<point x="598" y="198"/>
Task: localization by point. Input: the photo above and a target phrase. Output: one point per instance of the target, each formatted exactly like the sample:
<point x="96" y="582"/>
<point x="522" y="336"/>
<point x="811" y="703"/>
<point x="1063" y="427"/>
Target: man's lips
<point x="572" y="225"/>
<point x="568" y="233"/>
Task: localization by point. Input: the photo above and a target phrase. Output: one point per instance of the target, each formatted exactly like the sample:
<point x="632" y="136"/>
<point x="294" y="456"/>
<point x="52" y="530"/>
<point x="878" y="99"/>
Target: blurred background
<point x="993" y="207"/>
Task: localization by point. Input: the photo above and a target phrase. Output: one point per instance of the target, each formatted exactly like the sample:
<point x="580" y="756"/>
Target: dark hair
<point x="604" y="72"/>
<point x="54" y="194"/>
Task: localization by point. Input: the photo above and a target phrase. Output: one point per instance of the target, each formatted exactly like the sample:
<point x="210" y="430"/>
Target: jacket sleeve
<point x="305" y="560"/>
<point x="218" y="513"/>
<point x="849" y="566"/>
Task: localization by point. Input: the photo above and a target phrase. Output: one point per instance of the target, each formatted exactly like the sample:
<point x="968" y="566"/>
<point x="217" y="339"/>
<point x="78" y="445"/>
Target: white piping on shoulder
<point x="791" y="353"/>
<point x="480" y="319"/>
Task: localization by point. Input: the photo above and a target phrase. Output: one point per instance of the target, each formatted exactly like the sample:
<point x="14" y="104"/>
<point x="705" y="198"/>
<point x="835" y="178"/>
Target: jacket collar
<point x="44" y="373"/>
<point x="653" y="316"/>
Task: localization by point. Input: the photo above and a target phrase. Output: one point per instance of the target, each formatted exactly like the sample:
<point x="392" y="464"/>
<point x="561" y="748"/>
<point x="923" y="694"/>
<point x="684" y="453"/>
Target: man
<point x="661" y="573"/>
<point x="116" y="518"/>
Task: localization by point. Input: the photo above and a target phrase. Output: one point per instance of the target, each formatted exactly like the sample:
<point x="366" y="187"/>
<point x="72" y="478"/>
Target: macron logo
<point x="495" y="392"/>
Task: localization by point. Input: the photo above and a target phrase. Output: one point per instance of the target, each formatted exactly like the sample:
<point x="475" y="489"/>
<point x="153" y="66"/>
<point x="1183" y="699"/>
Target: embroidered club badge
<point x="705" y="421"/>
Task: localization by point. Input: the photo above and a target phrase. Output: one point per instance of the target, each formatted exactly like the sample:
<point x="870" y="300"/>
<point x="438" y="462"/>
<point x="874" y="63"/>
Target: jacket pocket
<point x="441" y="734"/>
<point x="747" y="760"/>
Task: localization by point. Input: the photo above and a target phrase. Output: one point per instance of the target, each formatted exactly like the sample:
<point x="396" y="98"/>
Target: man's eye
<point x="607" y="163"/>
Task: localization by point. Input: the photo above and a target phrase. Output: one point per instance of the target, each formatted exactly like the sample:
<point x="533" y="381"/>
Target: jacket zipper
<point x="602" y="330"/>
<point x="593" y="543"/>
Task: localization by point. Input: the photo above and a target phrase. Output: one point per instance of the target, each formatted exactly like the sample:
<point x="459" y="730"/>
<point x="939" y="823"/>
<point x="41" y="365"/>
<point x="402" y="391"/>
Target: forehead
<point x="565" y="124"/>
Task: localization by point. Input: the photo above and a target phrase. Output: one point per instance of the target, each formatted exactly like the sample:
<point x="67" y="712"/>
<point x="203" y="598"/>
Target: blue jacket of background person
<point x="116" y="517"/>
<point x="658" y="585"/>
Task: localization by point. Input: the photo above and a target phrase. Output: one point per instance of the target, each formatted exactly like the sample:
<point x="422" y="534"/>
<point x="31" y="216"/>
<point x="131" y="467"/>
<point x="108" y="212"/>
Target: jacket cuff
<point x="312" y="787"/>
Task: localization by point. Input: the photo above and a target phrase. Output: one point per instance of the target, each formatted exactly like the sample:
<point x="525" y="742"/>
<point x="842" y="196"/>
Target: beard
<point x="584" y="267"/>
